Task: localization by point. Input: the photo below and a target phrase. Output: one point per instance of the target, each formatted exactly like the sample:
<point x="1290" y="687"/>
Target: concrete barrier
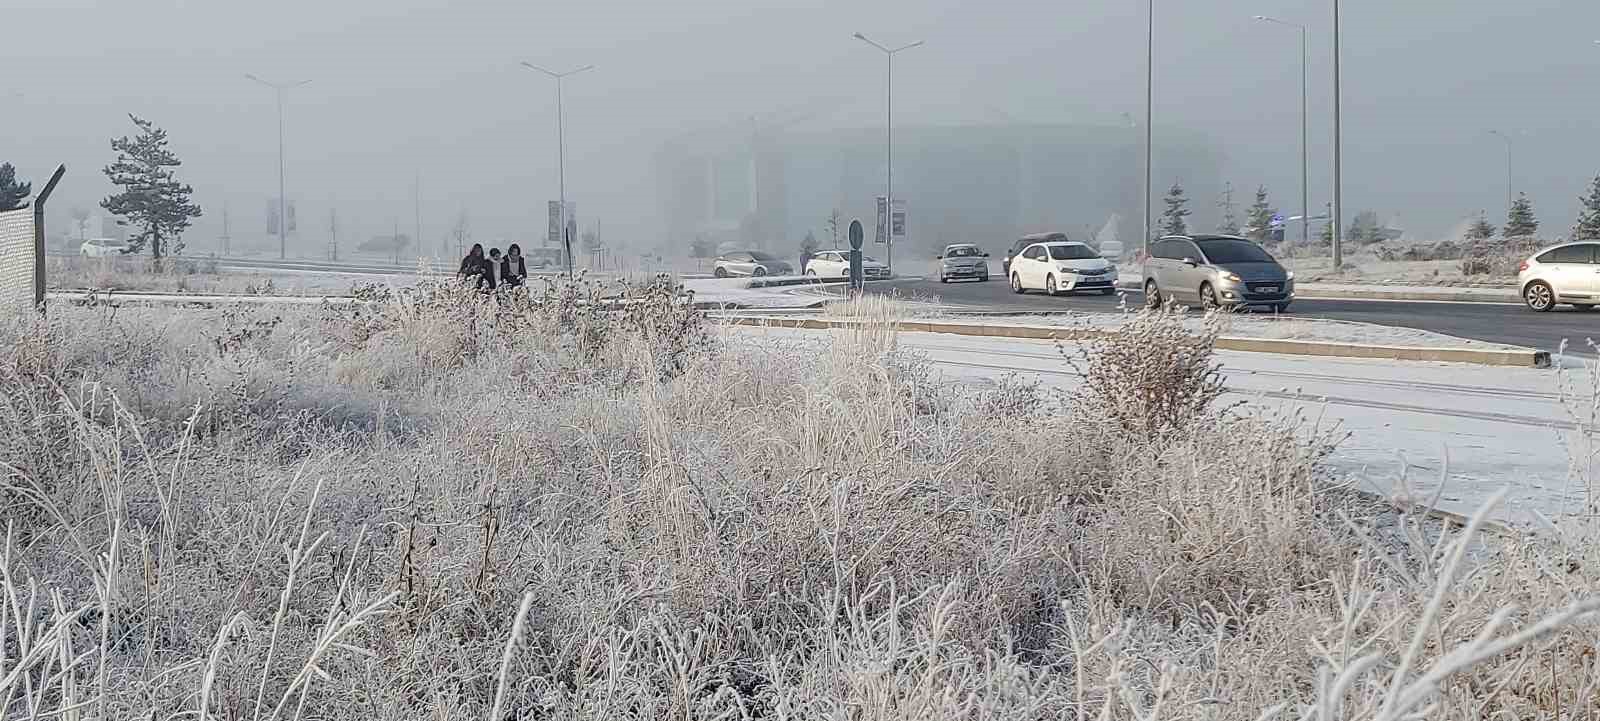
<point x="1512" y="357"/>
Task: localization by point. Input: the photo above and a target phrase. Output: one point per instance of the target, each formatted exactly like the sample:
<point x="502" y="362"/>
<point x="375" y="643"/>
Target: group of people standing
<point x="495" y="270"/>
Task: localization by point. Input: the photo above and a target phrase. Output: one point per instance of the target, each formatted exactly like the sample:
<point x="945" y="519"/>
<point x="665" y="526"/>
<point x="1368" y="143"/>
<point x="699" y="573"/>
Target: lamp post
<point x="1338" y="160"/>
<point x="888" y="193"/>
<point x="561" y="153"/>
<point x="283" y="225"/>
<point x="1510" y="195"/>
<point x="1305" y="163"/>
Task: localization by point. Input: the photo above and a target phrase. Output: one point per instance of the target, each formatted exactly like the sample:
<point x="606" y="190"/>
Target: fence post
<point x="38" y="237"/>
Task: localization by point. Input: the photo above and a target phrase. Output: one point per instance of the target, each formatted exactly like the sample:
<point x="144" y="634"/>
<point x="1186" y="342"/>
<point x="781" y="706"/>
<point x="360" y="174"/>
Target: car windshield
<point x="962" y="251"/>
<point x="1071" y="252"/>
<point x="758" y="255"/>
<point x="1222" y="252"/>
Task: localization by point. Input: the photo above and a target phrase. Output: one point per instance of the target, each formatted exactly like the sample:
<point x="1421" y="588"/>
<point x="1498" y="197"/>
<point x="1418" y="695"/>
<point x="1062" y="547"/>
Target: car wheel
<point x="1016" y="284"/>
<point x="1152" y="295"/>
<point x="1050" y="285"/>
<point x="983" y="278"/>
<point x="1539" y="296"/>
<point x="759" y="271"/>
<point x="720" y="272"/>
<point x="1208" y="297"/>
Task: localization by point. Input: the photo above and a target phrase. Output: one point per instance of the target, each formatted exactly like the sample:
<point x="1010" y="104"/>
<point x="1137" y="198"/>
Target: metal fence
<point x="16" y="259"/>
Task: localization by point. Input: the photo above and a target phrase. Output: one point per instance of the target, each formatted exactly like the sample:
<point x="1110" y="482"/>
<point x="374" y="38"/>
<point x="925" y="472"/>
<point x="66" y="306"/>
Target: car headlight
<point x="1232" y="277"/>
<point x="1069" y="271"/>
<point x="1290" y="276"/>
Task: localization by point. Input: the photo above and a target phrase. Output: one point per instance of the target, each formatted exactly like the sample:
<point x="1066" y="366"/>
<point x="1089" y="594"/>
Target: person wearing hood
<point x="491" y="270"/>
<point x="514" y="269"/>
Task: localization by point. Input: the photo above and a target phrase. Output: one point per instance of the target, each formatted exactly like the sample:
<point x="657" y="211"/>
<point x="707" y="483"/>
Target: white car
<point x="836" y="264"/>
<point x="103" y="248"/>
<point x="1062" y="268"/>
<point x="1564" y="274"/>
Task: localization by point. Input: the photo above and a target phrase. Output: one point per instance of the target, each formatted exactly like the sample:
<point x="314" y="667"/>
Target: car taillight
<point x="1522" y="267"/>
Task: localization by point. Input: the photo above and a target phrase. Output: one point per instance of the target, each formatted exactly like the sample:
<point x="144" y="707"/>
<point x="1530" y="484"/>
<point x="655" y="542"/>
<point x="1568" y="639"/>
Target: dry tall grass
<point x="445" y="506"/>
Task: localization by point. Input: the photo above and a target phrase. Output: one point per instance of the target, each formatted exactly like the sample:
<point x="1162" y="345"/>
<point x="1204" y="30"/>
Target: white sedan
<point x="103" y="248"/>
<point x="836" y="264"/>
<point x="1062" y="268"/>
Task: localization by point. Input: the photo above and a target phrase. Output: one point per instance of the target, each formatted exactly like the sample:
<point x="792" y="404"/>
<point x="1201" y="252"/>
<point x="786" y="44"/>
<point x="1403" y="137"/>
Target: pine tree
<point x="151" y="198"/>
<point x="1327" y="232"/>
<point x="1520" y="222"/>
<point x="1480" y="228"/>
<point x="12" y="193"/>
<point x="1365" y="228"/>
<point x="1172" y="220"/>
<point x="1230" y="223"/>
<point x="1259" y="219"/>
<point x="1588" y="226"/>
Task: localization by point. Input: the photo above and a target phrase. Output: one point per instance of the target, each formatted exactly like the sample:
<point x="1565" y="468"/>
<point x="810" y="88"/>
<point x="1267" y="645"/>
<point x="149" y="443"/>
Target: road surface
<point x="1507" y="323"/>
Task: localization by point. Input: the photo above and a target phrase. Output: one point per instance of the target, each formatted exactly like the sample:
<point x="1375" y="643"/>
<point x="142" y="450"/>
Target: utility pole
<point x="1149" y="114"/>
<point x="333" y="234"/>
<point x="227" y="244"/>
<point x="416" y="206"/>
<point x="561" y="153"/>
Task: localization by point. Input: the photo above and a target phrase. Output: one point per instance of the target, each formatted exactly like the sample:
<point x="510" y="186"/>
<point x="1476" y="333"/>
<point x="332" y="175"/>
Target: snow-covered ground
<point x="1253" y="326"/>
<point x="1457" y="430"/>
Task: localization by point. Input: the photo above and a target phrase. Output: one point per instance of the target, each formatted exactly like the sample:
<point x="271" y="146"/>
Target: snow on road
<point x="1475" y="429"/>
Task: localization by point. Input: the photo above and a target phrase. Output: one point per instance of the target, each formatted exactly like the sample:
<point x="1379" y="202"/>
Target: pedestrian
<point x="491" y="271"/>
<point x="472" y="265"/>
<point x="514" y="269"/>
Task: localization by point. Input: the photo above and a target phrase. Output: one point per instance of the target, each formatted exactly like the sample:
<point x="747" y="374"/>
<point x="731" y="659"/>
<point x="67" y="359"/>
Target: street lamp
<point x="1509" y="195"/>
<point x="561" y="154"/>
<point x="1305" y="164"/>
<point x="1149" y="114"/>
<point x="283" y="225"/>
<point x="1338" y="159"/>
<point x="888" y="193"/>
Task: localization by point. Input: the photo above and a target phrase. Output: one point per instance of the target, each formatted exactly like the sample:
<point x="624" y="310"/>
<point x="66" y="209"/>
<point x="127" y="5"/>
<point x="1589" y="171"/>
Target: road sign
<point x="856" y="239"/>
<point x="898" y="219"/>
<point x="856" y="234"/>
<point x="1277" y="220"/>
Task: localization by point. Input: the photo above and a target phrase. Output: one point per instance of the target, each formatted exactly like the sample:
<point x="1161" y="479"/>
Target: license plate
<point x="1267" y="289"/>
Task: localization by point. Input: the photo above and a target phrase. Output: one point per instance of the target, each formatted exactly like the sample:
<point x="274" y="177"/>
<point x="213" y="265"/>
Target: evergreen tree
<point x="151" y="198"/>
<point x="1172" y="220"/>
<point x="12" y="193"/>
<point x="1327" y="232"/>
<point x="1480" y="229"/>
<point x="1364" y="229"/>
<point x="1258" y="221"/>
<point x="809" y="246"/>
<point x="1230" y="223"/>
<point x="1588" y="226"/>
<point x="1520" y="222"/>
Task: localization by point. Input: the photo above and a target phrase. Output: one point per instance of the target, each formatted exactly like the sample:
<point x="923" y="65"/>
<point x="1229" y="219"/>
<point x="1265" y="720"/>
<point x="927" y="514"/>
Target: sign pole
<point x="856" y="238"/>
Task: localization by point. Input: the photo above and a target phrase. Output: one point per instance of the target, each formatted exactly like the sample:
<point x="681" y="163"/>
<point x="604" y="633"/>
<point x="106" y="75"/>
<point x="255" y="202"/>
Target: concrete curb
<point x="1442" y="295"/>
<point x="1520" y="358"/>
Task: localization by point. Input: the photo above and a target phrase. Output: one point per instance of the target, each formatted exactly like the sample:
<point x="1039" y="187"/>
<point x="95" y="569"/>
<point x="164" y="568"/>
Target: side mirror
<point x="1191" y="262"/>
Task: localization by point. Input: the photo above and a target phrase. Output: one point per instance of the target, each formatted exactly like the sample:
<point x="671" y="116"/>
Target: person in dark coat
<point x="514" y="269"/>
<point x="491" y="271"/>
<point x="472" y="265"/>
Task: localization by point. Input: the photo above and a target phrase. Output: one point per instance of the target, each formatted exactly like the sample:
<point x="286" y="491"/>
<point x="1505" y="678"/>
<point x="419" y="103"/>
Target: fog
<point x="403" y="90"/>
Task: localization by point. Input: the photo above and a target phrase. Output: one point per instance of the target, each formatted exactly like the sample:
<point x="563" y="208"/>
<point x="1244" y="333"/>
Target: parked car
<point x="749" y="262"/>
<point x="1058" y="267"/>
<point x="103" y="248"/>
<point x="836" y="264"/>
<point x="1564" y="274"/>
<point x="1022" y="243"/>
<point x="1215" y="270"/>
<point x="963" y="260"/>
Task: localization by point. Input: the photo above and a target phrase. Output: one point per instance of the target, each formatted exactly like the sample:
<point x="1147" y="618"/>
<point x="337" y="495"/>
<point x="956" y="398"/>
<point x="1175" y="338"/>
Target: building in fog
<point x="984" y="183"/>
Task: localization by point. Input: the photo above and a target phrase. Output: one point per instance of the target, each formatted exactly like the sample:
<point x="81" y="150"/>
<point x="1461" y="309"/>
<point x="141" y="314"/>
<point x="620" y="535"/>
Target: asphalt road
<point x="1506" y="323"/>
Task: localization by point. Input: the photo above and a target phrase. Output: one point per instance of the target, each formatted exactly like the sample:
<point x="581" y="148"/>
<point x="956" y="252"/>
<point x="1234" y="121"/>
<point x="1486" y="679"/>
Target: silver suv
<point x="1215" y="270"/>
<point x="1564" y="274"/>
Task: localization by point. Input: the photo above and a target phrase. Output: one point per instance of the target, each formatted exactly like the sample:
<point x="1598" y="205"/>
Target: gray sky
<point x="408" y="86"/>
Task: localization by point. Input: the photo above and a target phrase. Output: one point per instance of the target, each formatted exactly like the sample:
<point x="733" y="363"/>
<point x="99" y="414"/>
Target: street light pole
<point x="888" y="193"/>
<point x="1149" y="116"/>
<point x="1510" y="195"/>
<point x="1305" y="131"/>
<point x="561" y="154"/>
<point x="283" y="224"/>
<point x="1338" y="160"/>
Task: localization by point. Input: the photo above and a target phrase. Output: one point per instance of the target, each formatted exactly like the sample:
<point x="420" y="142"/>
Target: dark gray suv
<point x="1215" y="270"/>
